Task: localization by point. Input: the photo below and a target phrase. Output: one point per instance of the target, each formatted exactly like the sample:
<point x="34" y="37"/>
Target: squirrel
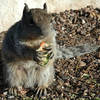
<point x="19" y="51"/>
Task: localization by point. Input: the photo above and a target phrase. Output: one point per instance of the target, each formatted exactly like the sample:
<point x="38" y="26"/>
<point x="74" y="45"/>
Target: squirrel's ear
<point x="45" y="6"/>
<point x="26" y="9"/>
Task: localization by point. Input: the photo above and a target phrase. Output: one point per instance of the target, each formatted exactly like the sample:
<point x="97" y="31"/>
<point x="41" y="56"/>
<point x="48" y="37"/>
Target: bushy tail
<point x="74" y="51"/>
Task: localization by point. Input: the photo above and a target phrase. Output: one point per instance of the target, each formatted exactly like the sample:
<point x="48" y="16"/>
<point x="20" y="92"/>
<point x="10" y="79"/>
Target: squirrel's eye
<point x="31" y="22"/>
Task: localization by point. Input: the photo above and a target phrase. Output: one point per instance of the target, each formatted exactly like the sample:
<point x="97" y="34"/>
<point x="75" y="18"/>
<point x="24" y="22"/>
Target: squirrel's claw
<point x="39" y="56"/>
<point x="16" y="91"/>
<point x="48" y="48"/>
<point x="13" y="91"/>
<point x="51" y="55"/>
<point x="41" y="92"/>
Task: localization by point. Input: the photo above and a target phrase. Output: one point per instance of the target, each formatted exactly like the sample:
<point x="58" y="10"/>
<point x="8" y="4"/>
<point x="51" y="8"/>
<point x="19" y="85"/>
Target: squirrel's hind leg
<point x="15" y="77"/>
<point x="45" y="78"/>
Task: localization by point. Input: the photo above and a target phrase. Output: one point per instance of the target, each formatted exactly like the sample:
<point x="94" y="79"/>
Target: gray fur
<point x="19" y="50"/>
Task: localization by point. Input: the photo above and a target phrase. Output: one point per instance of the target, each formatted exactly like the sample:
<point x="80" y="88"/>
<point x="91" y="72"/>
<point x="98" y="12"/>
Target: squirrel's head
<point x="36" y="21"/>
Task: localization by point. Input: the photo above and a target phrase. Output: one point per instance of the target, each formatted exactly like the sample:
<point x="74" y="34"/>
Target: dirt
<point x="77" y="78"/>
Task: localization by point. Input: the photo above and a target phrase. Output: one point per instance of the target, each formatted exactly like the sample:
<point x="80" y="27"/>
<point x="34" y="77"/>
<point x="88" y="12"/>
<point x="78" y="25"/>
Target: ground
<point x="77" y="78"/>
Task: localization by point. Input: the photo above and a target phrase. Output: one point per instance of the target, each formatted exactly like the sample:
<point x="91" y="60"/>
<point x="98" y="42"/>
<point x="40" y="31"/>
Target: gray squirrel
<point x="19" y="51"/>
<point x="20" y="56"/>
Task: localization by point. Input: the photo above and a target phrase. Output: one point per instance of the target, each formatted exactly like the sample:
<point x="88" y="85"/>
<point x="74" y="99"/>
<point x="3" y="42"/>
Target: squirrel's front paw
<point x="39" y="56"/>
<point x="44" y="54"/>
